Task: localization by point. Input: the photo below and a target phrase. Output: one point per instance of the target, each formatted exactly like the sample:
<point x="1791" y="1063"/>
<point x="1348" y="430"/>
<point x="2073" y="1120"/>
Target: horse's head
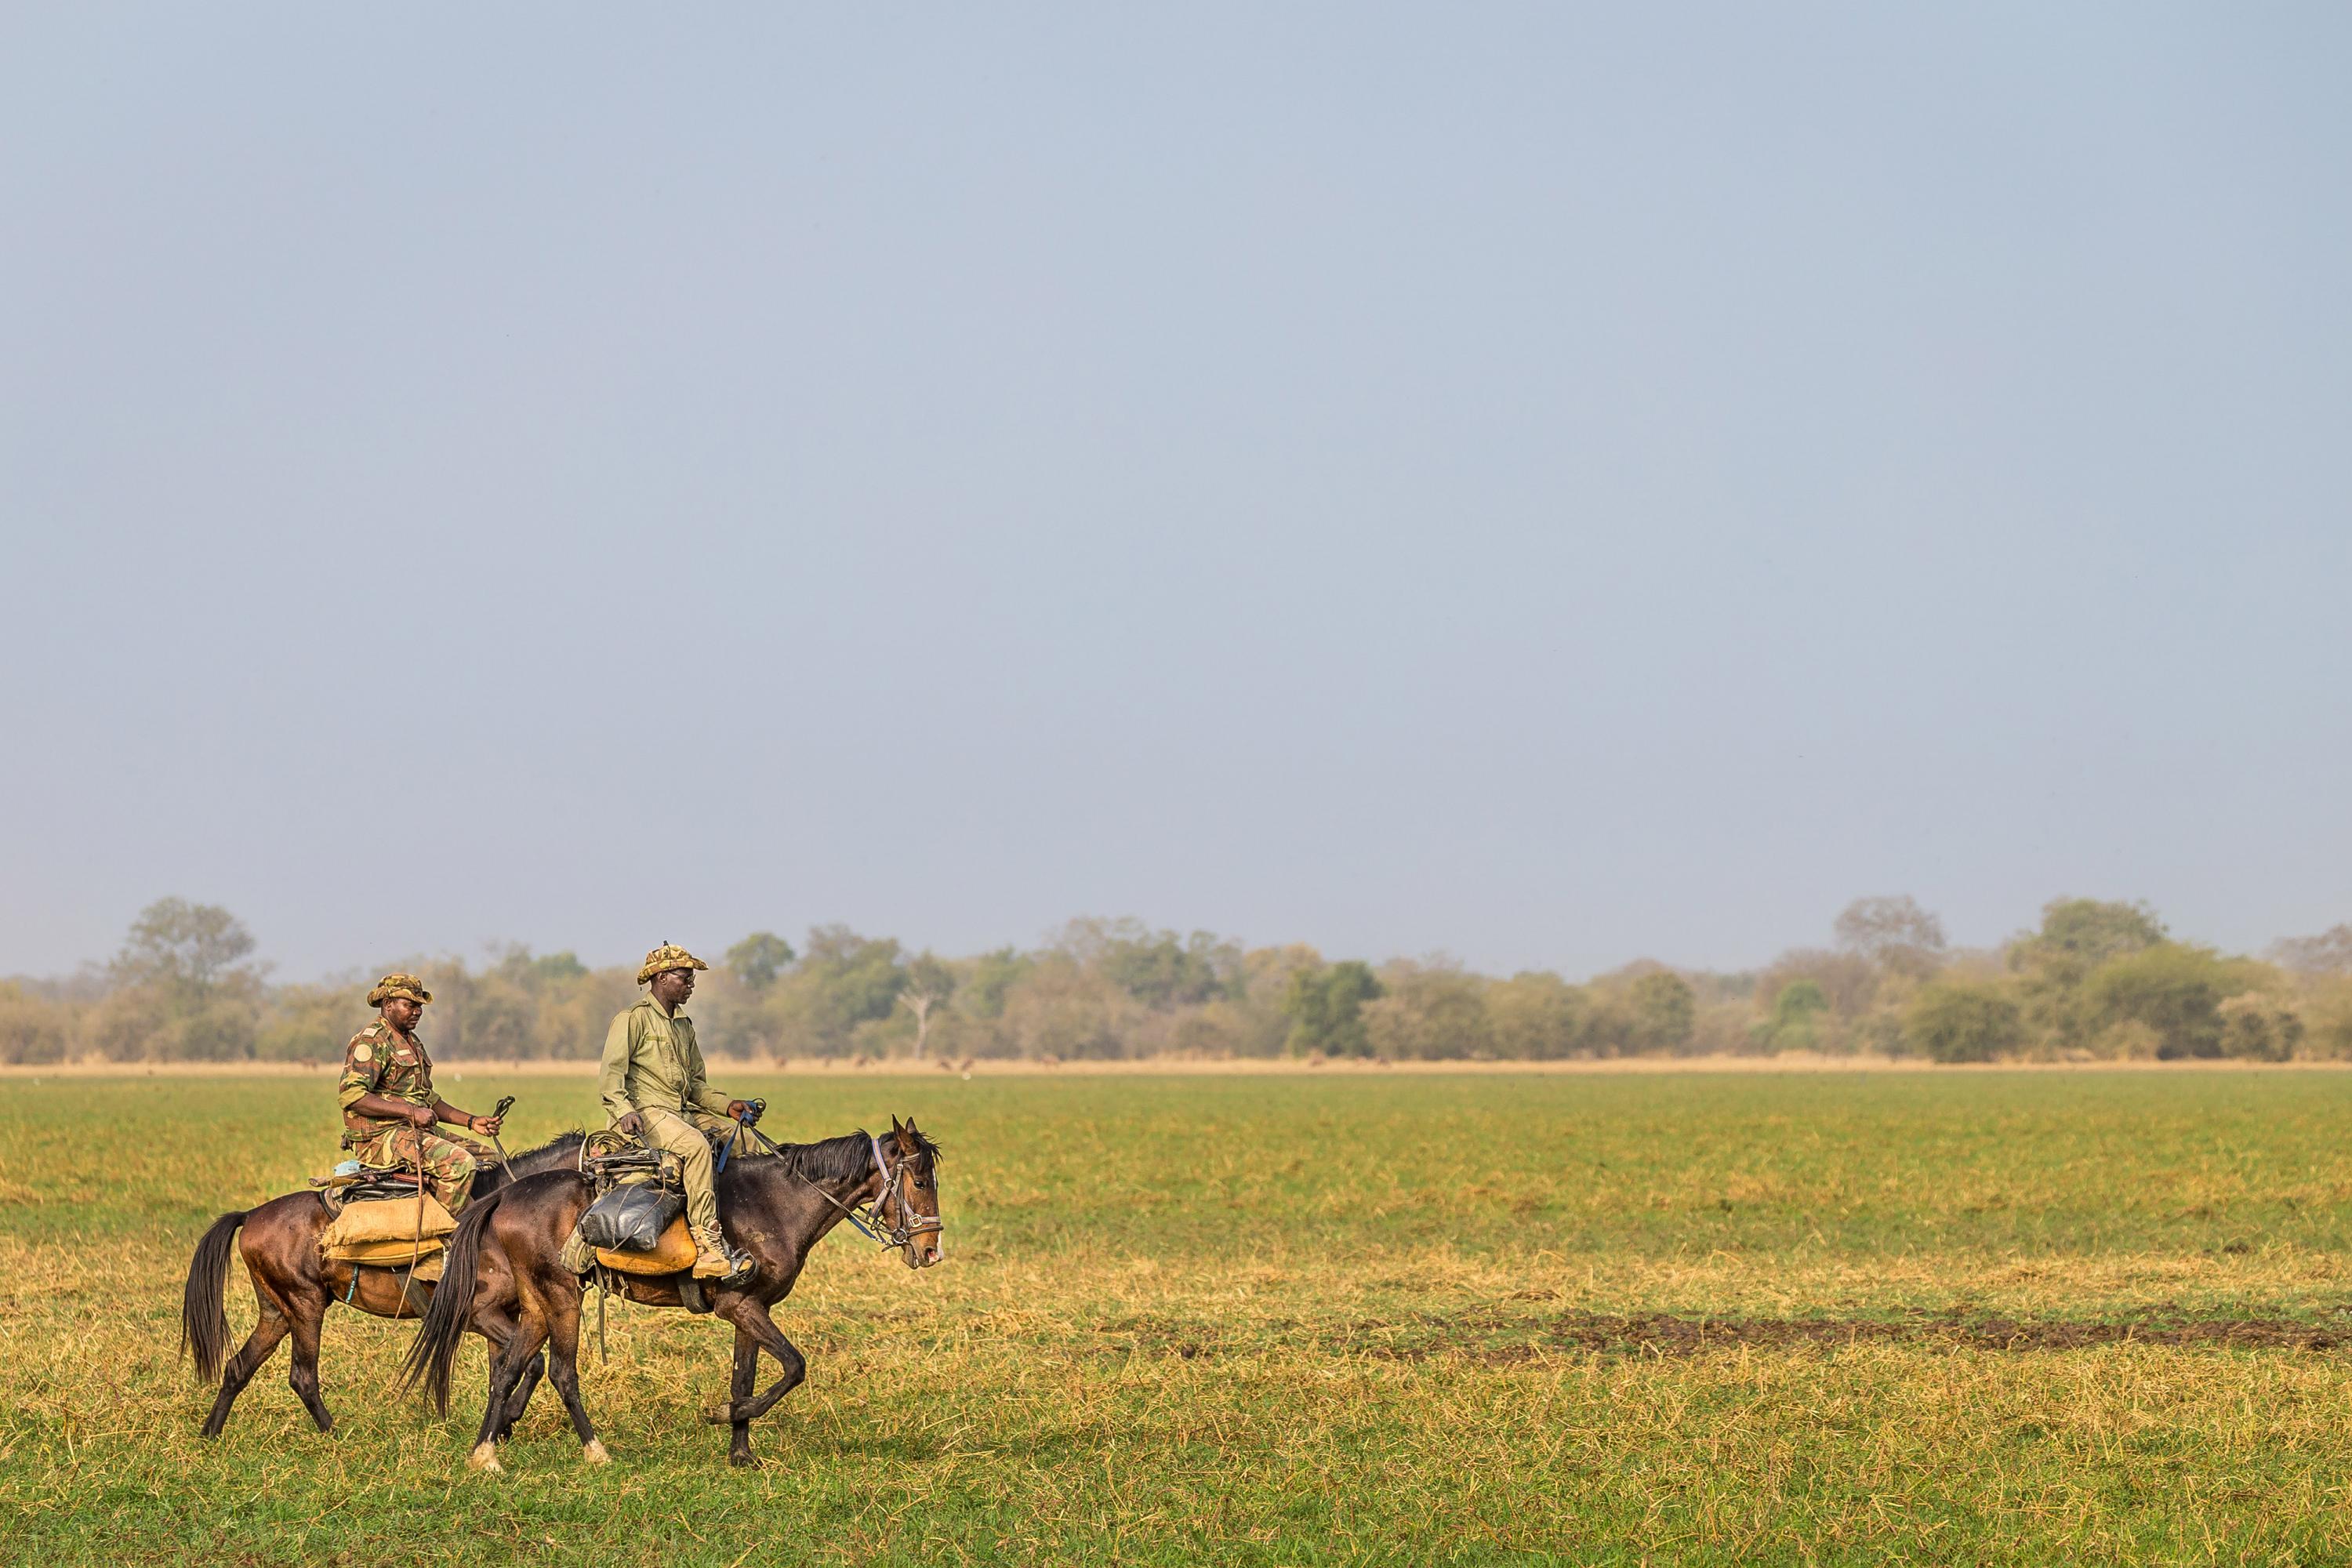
<point x="911" y="1206"/>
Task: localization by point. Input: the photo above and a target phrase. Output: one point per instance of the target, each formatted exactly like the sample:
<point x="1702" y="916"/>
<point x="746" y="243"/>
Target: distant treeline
<point x="2094" y="980"/>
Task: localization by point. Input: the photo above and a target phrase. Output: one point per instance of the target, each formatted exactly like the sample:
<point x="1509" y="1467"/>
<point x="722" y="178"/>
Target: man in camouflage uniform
<point x="389" y="1106"/>
<point x="653" y="1088"/>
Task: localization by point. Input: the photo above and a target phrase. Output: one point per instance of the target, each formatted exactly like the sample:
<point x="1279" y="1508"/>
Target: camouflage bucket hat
<point x="393" y="986"/>
<point x="666" y="957"/>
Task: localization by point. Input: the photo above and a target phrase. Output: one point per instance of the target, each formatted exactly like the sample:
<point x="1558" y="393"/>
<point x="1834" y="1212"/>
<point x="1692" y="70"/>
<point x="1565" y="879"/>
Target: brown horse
<point x="505" y="1279"/>
<point x="294" y="1286"/>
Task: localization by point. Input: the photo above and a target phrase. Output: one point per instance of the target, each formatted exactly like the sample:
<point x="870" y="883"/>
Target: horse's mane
<point x="831" y="1160"/>
<point x="548" y="1155"/>
<point x="839" y="1159"/>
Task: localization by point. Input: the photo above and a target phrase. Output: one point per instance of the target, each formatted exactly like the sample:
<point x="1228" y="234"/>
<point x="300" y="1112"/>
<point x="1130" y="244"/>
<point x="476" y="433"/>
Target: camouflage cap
<point x="393" y="986"/>
<point x="666" y="957"/>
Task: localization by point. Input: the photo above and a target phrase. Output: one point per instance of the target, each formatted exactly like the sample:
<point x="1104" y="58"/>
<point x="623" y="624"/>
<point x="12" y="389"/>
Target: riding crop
<point x="498" y="1114"/>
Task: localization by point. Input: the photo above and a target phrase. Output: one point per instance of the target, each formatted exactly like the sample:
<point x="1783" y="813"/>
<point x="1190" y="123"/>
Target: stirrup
<point x="741" y="1266"/>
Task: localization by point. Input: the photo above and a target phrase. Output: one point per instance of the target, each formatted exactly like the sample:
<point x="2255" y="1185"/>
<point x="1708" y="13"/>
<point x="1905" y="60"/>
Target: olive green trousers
<point x="681" y="1133"/>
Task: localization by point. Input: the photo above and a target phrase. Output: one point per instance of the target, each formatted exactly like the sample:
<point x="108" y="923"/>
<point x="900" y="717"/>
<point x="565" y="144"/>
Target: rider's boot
<point x="714" y="1260"/>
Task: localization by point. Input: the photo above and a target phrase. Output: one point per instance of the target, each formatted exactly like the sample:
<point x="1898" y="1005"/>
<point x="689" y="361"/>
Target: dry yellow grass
<point x="1330" y="1318"/>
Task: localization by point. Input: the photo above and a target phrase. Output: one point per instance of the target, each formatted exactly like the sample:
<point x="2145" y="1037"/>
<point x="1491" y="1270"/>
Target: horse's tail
<point x="443" y="1327"/>
<point x="204" y="1324"/>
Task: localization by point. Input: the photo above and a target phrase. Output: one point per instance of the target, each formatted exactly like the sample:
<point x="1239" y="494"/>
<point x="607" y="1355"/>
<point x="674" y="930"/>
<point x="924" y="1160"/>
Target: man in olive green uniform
<point x="653" y="1087"/>
<point x="389" y="1106"/>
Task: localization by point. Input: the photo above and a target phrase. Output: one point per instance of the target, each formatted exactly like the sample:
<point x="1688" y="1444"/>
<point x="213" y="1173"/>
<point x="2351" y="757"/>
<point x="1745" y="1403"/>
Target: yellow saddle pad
<point x="385" y="1252"/>
<point x="674" y="1253"/>
<point x="389" y="1219"/>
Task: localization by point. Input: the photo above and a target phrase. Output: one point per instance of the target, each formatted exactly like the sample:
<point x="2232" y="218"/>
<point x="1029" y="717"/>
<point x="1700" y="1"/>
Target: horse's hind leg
<point x="304" y="1375"/>
<point x="248" y="1361"/>
<point x="563" y="1349"/>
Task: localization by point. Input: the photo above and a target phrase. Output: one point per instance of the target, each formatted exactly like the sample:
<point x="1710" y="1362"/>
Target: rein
<point x="897" y="1234"/>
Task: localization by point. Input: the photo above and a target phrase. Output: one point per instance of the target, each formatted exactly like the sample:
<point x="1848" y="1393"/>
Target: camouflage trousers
<point x="450" y="1163"/>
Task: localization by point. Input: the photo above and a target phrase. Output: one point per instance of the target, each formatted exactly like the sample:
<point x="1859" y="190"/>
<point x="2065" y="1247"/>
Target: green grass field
<point x="1964" y="1317"/>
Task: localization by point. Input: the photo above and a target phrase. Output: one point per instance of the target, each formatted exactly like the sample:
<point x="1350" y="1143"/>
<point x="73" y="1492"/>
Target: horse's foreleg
<point x="751" y="1317"/>
<point x="496" y="1326"/>
<point x="248" y="1361"/>
<point x="306" y="1314"/>
<point x="747" y="1372"/>
<point x="520" y="1401"/>
<point x="506" y="1371"/>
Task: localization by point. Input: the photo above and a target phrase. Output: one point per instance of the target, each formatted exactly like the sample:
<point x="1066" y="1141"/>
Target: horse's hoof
<point x="745" y="1460"/>
<point x="720" y="1415"/>
<point x="485" y="1460"/>
<point x="594" y="1453"/>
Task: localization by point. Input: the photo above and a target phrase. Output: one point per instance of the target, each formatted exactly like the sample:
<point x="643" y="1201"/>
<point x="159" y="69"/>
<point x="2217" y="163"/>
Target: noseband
<point x="900" y="1233"/>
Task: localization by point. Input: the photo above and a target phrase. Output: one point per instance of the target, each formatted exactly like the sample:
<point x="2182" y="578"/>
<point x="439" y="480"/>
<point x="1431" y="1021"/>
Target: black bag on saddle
<point x="630" y="1218"/>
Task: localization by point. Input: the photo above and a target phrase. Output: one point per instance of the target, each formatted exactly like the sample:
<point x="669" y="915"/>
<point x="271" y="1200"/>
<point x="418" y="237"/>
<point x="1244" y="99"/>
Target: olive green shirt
<point x="651" y="1063"/>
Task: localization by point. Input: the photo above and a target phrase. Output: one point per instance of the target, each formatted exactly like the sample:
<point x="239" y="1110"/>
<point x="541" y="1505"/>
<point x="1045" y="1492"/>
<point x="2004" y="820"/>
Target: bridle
<point x="872" y="1217"/>
<point x="902" y="1232"/>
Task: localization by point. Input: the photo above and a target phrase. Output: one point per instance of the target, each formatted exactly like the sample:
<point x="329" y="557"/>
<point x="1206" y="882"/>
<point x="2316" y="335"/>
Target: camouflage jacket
<point x="381" y="1060"/>
<point x="651" y="1062"/>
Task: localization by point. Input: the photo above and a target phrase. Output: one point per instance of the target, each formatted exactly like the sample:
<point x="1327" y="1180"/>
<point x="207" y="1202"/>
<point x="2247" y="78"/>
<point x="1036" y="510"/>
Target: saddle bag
<point x="630" y="1219"/>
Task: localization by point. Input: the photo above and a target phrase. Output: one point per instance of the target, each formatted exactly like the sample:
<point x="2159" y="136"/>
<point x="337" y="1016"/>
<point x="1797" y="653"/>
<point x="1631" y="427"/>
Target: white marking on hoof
<point x="484" y="1458"/>
<point x="594" y="1453"/>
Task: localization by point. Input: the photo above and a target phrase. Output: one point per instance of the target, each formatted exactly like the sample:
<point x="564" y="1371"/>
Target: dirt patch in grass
<point x="1683" y="1336"/>
<point x="1502" y="1338"/>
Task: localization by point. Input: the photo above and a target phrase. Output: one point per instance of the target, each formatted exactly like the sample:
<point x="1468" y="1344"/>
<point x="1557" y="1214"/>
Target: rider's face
<point x="401" y="1013"/>
<point x="672" y="986"/>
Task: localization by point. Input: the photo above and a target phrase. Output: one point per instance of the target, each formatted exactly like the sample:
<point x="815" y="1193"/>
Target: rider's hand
<point x="632" y="1124"/>
<point x="421" y="1118"/>
<point x="488" y="1125"/>
<point x="739" y="1108"/>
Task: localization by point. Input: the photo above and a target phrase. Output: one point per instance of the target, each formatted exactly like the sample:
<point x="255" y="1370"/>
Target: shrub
<point x="1963" y="1021"/>
<point x="2174" y="989"/>
<point x="31" y="1028"/>
<point x="2258" y="1028"/>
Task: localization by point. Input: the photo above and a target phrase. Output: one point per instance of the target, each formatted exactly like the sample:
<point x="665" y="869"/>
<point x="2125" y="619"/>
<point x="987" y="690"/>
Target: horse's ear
<point x="894" y="1124"/>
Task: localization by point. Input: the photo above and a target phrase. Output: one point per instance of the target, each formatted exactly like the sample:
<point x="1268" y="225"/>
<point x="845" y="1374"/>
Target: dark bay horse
<point x="505" y="1279"/>
<point x="294" y="1286"/>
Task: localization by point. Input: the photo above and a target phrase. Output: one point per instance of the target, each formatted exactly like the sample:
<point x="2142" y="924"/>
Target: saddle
<point x="636" y="1221"/>
<point x="375" y="1186"/>
<point x="372" y="1218"/>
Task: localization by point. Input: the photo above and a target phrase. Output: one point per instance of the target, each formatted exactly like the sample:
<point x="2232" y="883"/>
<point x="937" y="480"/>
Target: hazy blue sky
<point x="1551" y="484"/>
